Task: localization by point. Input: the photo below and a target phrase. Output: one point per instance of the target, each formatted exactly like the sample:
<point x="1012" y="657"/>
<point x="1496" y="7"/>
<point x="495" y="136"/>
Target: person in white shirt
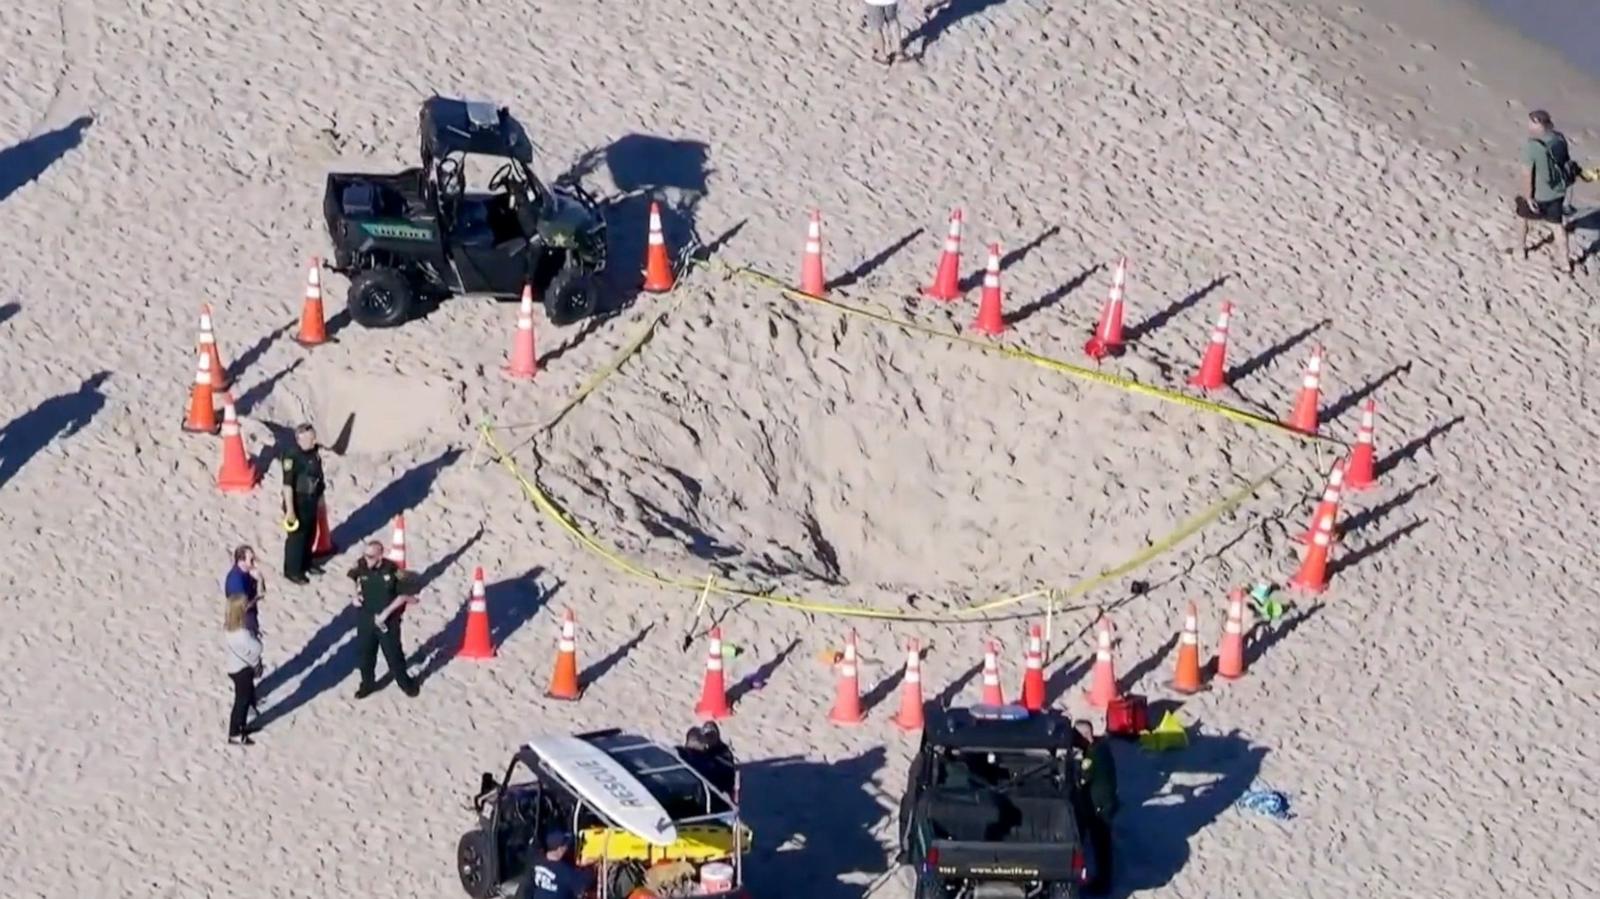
<point x="243" y="654"/>
<point x="883" y="21"/>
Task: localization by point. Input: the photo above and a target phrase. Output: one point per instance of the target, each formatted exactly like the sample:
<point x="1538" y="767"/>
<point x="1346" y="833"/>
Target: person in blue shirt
<point x="553" y="877"/>
<point x="244" y="579"/>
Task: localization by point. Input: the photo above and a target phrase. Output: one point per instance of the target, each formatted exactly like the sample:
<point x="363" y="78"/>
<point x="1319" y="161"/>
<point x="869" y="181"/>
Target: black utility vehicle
<point x="988" y="810"/>
<point x="421" y="234"/>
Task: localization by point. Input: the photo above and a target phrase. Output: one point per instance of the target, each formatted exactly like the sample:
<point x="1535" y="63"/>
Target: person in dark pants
<point x="379" y="599"/>
<point x="553" y="877"/>
<point x="243" y="654"/>
<point x="1096" y="798"/>
<point x="244" y="578"/>
<point x="1547" y="173"/>
<point x="302" y="495"/>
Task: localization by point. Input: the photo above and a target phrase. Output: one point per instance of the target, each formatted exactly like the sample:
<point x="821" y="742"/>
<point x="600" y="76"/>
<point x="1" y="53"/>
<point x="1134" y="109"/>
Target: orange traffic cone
<point x="322" y="544"/>
<point x="524" y="362"/>
<point x="1033" y="671"/>
<point x="811" y="278"/>
<point x="657" y="267"/>
<point x="208" y="345"/>
<point x="476" y="642"/>
<point x="1230" y="655"/>
<point x="713" y="702"/>
<point x="1186" y="676"/>
<point x="847" y="701"/>
<point x="1211" y="375"/>
<point x="1359" y="473"/>
<point x="946" y="284"/>
<point x="202" y="417"/>
<point x="1103" y="679"/>
<point x="1313" y="574"/>
<point x="313" y="326"/>
<point x="564" y="680"/>
<point x="1107" y="339"/>
<point x="397" y="543"/>
<point x="1329" y="504"/>
<point x="237" y="474"/>
<point x="990" y="321"/>
<point x="1304" y="416"/>
<point x="911" y="705"/>
<point x="992" y="693"/>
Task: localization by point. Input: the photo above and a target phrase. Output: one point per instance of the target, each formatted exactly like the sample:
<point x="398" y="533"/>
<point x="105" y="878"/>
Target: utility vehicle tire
<point x="380" y="298"/>
<point x="475" y="862"/>
<point x="572" y="294"/>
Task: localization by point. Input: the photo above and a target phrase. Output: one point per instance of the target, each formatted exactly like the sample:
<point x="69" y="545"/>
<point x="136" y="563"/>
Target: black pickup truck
<point x="988" y="811"/>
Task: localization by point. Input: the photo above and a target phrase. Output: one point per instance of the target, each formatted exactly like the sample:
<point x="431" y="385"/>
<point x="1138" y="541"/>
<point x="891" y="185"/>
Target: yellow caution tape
<point x="555" y="513"/>
<point x="1067" y="368"/>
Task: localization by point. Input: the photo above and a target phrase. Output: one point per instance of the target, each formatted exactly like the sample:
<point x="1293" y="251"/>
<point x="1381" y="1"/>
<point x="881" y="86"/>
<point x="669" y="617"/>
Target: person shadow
<point x="1168" y="798"/>
<point x="26" y="161"/>
<point x="512" y="603"/>
<point x="801" y="848"/>
<point x="57" y="418"/>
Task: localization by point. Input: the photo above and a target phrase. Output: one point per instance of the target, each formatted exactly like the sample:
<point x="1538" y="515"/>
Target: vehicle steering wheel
<point x="503" y="176"/>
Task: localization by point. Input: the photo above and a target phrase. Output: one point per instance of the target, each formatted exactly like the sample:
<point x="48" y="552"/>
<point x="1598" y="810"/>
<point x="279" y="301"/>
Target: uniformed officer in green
<point x="302" y="495"/>
<point x="1096" y="802"/>
<point x="380" y="598"/>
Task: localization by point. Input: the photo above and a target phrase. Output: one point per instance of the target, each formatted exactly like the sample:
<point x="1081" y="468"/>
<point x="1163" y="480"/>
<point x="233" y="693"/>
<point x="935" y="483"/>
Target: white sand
<point x="1432" y="722"/>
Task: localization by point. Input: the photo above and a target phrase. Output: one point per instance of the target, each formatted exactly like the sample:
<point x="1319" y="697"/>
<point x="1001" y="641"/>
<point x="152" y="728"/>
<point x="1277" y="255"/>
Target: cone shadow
<point x="1265" y="357"/>
<point x="758" y="678"/>
<point x="876" y="262"/>
<point x="595" y="672"/>
<point x="1264" y="637"/>
<point x="1177" y="307"/>
<point x="1347" y="402"/>
<point x="1409" y="451"/>
<point x="1052" y="298"/>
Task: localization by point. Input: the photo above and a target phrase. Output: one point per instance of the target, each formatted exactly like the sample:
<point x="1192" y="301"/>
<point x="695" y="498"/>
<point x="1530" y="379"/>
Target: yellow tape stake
<point x="1087" y="374"/>
<point x="555" y="513"/>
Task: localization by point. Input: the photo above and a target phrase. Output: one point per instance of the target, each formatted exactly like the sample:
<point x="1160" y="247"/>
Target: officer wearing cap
<point x="302" y="495"/>
<point x="553" y="876"/>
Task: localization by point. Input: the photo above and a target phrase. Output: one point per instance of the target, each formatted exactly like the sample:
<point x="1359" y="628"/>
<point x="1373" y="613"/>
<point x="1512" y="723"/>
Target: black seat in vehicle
<point x="966" y="817"/>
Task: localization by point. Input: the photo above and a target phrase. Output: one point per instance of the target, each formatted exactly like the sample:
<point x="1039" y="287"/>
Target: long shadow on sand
<point x="57" y="418"/>
<point x="8" y="310"/>
<point x="803" y="847"/>
<point x="1168" y="798"/>
<point x="941" y="19"/>
<point x="1174" y="309"/>
<point x="512" y="603"/>
<point x="28" y="160"/>
<point x="405" y="492"/>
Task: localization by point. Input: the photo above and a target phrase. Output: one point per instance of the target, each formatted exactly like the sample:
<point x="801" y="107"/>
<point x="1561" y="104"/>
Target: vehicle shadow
<point x="56" y="418"/>
<point x="802" y="848"/>
<point x="644" y="168"/>
<point x="29" y="159"/>
<point x="1168" y="798"/>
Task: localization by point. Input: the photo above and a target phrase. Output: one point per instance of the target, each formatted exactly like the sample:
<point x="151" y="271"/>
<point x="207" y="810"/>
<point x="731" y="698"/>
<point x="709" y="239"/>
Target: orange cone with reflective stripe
<point x="1186" y="676"/>
<point x="313" y="325"/>
<point x="946" y="284"/>
<point x="1304" y="416"/>
<point x="1329" y="504"/>
<point x="990" y="320"/>
<point x="657" y="267"/>
<point x="322" y="543"/>
<point x="202" y="418"/>
<point x="911" y="716"/>
<point x="811" y="277"/>
<point x="847" y="700"/>
<point x="713" y="702"/>
<point x="564" y="680"/>
<point x="524" y="363"/>
<point x="1107" y="339"/>
<point x="1211" y="375"/>
<point x="992" y="692"/>
<point x="1230" y="654"/>
<point x="208" y="345"/>
<point x="1360" y="473"/>
<point x="1033" y="671"/>
<point x="1103" y="679"/>
<point x="476" y="642"/>
<point x="237" y="474"/>
<point x="397" y="543"/>
<point x="1313" y="574"/>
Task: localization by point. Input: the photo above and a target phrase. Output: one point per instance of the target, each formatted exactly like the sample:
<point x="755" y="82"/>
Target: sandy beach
<point x="1339" y="175"/>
